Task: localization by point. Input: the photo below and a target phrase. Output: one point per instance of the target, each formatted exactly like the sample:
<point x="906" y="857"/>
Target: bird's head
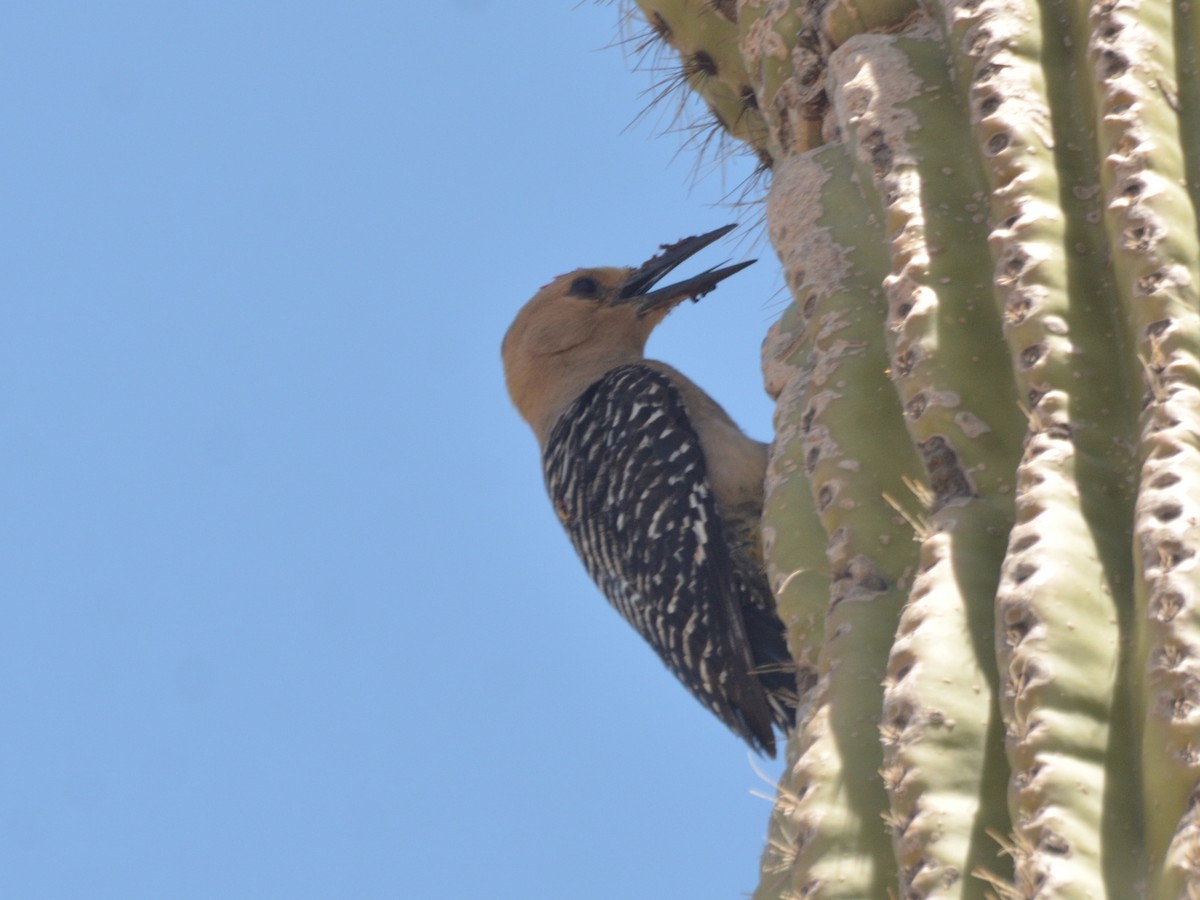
<point x="588" y="321"/>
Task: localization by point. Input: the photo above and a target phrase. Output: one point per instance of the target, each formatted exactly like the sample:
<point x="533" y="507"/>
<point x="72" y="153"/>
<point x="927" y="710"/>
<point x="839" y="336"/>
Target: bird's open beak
<point x="637" y="287"/>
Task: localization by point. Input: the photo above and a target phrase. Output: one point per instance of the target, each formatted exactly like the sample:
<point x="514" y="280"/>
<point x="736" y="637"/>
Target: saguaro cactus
<point x="984" y="496"/>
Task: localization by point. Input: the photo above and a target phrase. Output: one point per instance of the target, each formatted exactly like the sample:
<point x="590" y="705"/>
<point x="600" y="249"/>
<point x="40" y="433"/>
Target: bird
<point x="659" y="491"/>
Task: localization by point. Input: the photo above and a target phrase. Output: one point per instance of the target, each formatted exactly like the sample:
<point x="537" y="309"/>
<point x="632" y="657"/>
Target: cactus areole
<point x="983" y="499"/>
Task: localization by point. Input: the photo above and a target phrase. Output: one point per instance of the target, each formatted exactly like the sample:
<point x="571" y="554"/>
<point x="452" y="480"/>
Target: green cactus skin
<point x="983" y="508"/>
<point x="795" y="556"/>
<point x="705" y="35"/>
<point x="939" y="708"/>
<point x="842" y="19"/>
<point x="828" y="822"/>
<point x="789" y="83"/>
<point x="1066" y="593"/>
<point x="1152" y="239"/>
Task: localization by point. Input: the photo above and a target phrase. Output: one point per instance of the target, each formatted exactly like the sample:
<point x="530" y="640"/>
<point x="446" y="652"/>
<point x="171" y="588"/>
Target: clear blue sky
<point x="287" y="613"/>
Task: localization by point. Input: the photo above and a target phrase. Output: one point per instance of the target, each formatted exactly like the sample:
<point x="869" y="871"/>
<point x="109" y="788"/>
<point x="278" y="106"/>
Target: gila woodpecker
<point x="658" y="489"/>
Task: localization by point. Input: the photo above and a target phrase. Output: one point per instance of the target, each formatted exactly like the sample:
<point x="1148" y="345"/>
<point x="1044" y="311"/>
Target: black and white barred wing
<point x="628" y="479"/>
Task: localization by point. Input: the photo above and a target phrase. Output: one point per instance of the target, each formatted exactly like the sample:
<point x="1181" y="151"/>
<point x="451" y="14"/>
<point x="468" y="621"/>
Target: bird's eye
<point x="585" y="286"/>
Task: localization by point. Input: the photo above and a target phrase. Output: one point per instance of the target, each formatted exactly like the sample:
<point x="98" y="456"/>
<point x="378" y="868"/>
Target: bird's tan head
<point x="589" y="321"/>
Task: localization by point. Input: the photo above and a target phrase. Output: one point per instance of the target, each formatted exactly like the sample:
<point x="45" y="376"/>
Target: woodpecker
<point x="659" y="491"/>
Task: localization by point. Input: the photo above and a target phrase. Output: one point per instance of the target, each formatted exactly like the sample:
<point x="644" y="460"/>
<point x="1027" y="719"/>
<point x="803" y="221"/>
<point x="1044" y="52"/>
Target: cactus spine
<point x="984" y="496"/>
